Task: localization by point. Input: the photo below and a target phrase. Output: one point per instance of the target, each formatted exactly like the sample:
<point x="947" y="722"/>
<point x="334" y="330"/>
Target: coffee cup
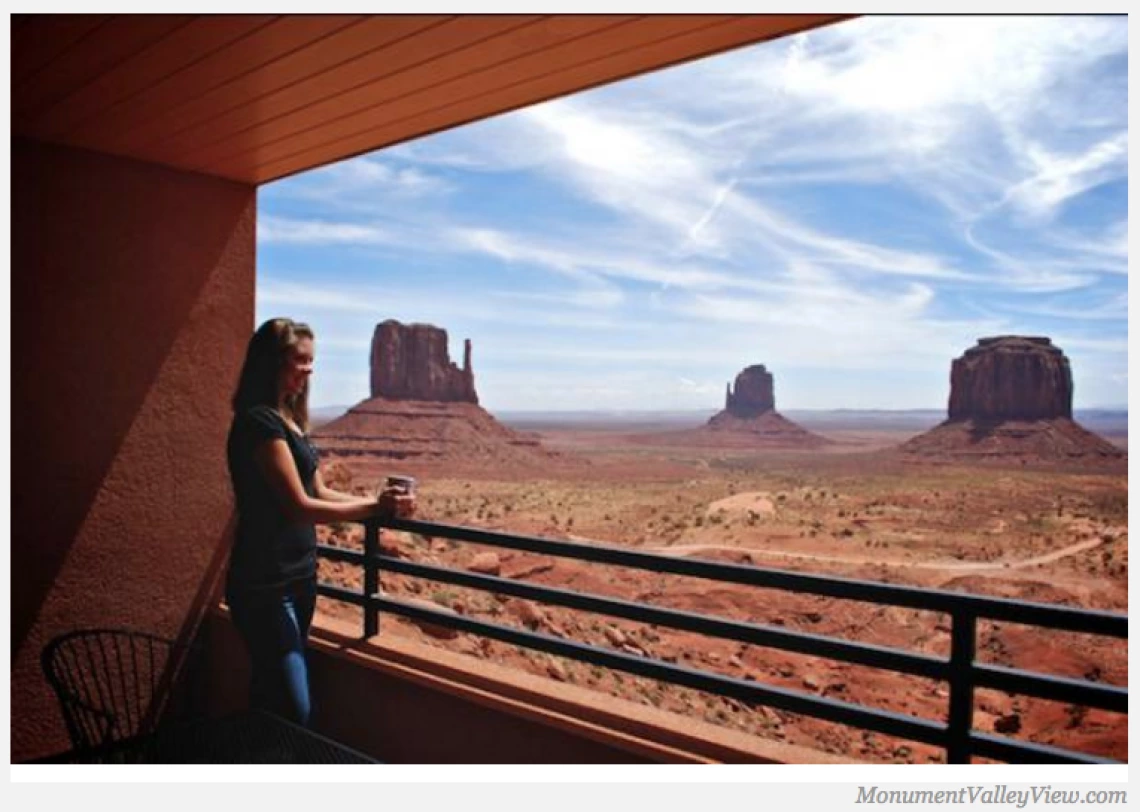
<point x="404" y="484"/>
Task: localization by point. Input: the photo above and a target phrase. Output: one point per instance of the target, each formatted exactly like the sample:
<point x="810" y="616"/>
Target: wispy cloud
<point x="272" y="229"/>
<point x="312" y="297"/>
<point x="1059" y="178"/>
<point x="871" y="195"/>
<point x="368" y="177"/>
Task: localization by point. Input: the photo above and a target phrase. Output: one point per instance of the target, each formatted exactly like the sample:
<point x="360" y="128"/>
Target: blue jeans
<point x="275" y="626"/>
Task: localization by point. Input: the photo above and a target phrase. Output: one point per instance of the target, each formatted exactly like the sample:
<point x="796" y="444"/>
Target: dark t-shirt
<point x="269" y="550"/>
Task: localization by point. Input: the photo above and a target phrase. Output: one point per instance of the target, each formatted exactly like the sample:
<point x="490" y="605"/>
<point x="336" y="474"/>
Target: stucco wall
<point x="366" y="700"/>
<point x="404" y="701"/>
<point x="132" y="300"/>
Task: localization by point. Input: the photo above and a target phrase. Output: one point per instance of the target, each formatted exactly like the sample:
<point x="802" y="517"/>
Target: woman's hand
<point x="395" y="503"/>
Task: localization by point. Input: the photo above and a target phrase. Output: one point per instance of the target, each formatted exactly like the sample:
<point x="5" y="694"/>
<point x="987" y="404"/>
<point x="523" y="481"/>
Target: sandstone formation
<point x="411" y="362"/>
<point x="768" y="429"/>
<point x="749" y="420"/>
<point x="750" y="417"/>
<point x="424" y="409"/>
<point x="422" y="431"/>
<point x="751" y="393"/>
<point x="1011" y="397"/>
<point x="1011" y="378"/>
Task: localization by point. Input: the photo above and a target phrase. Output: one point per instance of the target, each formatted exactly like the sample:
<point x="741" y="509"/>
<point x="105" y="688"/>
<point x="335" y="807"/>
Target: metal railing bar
<point x="371" y="576"/>
<point x="963" y="639"/>
<point x="341" y="554"/>
<point x="988" y="745"/>
<point x="932" y="600"/>
<point x="882" y="721"/>
<point x="1048" y="686"/>
<point x="964" y="674"/>
<point x="1047" y="616"/>
<point x="805" y="643"/>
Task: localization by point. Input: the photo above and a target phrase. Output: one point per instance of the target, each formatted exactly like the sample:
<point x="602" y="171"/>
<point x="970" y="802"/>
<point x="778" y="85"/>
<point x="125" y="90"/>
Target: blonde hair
<point x="267" y="353"/>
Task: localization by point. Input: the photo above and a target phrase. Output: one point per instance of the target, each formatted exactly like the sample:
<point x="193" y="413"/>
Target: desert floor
<point x="1053" y="534"/>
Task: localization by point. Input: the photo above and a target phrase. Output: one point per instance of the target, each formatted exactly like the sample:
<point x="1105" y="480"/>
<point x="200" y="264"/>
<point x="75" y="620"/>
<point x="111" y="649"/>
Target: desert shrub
<point x="1038" y="522"/>
<point x="444" y="597"/>
<point x="1111" y="505"/>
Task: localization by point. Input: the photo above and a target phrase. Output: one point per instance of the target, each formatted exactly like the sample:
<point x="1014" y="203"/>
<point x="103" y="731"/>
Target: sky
<point x="852" y="207"/>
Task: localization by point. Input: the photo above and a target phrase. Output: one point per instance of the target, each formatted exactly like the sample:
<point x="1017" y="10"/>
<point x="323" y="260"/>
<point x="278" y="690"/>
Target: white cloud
<point x="706" y="217"/>
<point x="272" y="229"/>
<point x="370" y="177"/>
<point x="1061" y="177"/>
<point x="312" y="297"/>
<point x="1115" y="309"/>
<point x="601" y="297"/>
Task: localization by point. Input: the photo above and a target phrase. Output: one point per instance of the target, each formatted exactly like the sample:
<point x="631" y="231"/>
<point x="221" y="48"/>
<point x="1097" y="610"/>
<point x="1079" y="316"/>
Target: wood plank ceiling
<point x="254" y="98"/>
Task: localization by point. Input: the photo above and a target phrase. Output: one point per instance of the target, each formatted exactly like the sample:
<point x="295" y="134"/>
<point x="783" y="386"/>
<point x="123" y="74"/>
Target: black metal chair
<point x="112" y="684"/>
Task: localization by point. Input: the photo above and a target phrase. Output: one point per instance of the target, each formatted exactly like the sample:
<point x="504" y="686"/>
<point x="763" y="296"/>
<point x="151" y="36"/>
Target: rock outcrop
<point x="751" y="394"/>
<point x="750" y="417"/>
<point x="749" y="420"/>
<point x="1011" y="378"/>
<point x="1011" y="398"/>
<point x="411" y="362"/>
<point x="424" y="410"/>
<point x="422" y="431"/>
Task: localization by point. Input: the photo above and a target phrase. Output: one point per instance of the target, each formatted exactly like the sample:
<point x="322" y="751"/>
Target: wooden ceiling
<point x="255" y="98"/>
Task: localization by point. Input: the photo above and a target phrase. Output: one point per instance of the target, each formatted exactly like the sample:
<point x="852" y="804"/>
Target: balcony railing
<point x="961" y="671"/>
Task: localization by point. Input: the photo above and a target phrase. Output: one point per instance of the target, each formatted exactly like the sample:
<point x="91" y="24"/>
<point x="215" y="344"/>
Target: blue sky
<point x="852" y="207"/>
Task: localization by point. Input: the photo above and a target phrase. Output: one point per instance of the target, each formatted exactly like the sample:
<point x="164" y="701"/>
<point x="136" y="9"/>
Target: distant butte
<point x="411" y="362"/>
<point x="424" y="408"/>
<point x="1012" y="397"/>
<point x="750" y="414"/>
<point x="751" y="394"/>
<point x="749" y="420"/>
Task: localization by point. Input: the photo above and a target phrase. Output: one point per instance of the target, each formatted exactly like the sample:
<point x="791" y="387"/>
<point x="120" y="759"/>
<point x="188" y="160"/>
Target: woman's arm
<point x="276" y="464"/>
<point x="329" y="494"/>
<point x="390" y="502"/>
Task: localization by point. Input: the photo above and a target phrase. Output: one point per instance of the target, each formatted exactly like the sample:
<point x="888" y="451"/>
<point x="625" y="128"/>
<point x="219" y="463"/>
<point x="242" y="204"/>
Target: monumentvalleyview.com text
<point x="999" y="795"/>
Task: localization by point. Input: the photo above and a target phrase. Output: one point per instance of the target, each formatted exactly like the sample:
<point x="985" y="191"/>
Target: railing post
<point x="371" y="576"/>
<point x="963" y="637"/>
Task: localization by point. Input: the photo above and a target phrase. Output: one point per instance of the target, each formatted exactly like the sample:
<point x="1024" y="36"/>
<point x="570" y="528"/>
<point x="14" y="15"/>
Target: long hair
<point x="264" y="358"/>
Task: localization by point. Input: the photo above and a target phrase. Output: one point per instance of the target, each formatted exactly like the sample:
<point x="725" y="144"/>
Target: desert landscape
<point x="1032" y="505"/>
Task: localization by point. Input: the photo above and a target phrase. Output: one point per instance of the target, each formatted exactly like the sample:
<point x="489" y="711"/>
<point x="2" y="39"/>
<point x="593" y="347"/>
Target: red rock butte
<point x="750" y="414"/>
<point x="1012" y="397"/>
<point x="424" y="408"/>
<point x="411" y="362"/>
<point x="749" y="420"/>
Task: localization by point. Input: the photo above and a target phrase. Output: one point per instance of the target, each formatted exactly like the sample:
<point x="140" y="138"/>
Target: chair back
<point x="110" y="683"/>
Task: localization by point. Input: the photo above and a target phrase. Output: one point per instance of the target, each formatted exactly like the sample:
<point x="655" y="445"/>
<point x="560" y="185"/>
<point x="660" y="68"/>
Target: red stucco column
<point x="132" y="300"/>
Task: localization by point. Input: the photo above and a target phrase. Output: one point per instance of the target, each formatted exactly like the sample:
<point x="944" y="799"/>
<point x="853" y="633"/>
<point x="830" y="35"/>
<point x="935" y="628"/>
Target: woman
<point x="271" y="586"/>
